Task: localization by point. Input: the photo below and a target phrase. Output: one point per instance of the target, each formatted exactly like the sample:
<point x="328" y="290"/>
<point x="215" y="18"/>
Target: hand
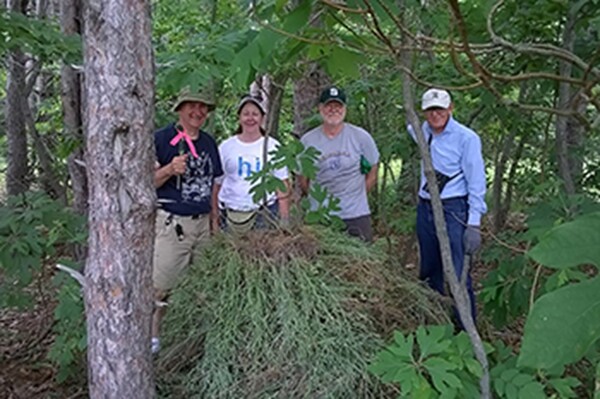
<point x="177" y="165"/>
<point x="472" y="239"/>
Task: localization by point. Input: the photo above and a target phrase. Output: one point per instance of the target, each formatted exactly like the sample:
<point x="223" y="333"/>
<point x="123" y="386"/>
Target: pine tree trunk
<point x="17" y="172"/>
<point x="119" y="92"/>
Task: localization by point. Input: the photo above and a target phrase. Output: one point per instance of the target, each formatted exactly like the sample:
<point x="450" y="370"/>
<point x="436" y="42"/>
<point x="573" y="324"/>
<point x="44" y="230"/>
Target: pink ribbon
<point x="182" y="135"/>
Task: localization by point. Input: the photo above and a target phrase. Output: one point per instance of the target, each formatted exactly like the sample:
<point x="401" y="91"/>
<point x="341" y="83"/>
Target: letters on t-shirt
<point x="245" y="165"/>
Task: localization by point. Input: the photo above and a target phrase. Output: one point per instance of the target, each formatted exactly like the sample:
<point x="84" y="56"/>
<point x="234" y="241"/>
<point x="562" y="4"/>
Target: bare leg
<point x="158" y="314"/>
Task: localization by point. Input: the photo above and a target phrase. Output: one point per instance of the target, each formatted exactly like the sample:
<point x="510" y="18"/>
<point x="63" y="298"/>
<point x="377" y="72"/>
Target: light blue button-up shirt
<point x="457" y="149"/>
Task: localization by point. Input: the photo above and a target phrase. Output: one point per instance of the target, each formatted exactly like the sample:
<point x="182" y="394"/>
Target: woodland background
<point x="83" y="85"/>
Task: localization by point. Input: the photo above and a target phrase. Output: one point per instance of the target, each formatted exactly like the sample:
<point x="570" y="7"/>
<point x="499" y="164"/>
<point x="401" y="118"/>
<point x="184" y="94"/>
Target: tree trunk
<point x="498" y="185"/>
<point x="510" y="185"/>
<point x="275" y="102"/>
<point x="270" y="89"/>
<point x="70" y="17"/>
<point x="17" y="173"/>
<point x="563" y="124"/>
<point x="119" y="90"/>
<point x="306" y="96"/>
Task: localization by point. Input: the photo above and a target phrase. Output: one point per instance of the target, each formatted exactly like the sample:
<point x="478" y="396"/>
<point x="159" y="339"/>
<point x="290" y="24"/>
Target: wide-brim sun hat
<point x="187" y="95"/>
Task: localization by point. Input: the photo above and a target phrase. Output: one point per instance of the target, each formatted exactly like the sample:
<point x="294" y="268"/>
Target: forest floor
<point x="26" y="337"/>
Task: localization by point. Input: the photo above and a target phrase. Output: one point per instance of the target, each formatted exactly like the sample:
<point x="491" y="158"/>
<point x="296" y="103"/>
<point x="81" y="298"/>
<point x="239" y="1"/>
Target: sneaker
<point x="155" y="345"/>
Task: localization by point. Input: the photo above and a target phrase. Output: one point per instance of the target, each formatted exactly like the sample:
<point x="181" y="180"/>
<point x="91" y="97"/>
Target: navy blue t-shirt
<point x="194" y="195"/>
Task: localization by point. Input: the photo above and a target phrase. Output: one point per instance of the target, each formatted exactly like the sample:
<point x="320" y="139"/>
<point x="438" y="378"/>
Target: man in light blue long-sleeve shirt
<point x="460" y="172"/>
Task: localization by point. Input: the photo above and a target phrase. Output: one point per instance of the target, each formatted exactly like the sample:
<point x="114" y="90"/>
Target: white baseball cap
<point x="435" y="98"/>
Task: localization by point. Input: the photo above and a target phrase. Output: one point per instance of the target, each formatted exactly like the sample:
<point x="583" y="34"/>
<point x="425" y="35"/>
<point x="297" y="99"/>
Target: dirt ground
<point x="25" y="372"/>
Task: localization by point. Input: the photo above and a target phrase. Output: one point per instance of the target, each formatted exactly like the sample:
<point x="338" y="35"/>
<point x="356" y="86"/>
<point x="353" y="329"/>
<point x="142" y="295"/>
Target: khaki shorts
<point x="173" y="255"/>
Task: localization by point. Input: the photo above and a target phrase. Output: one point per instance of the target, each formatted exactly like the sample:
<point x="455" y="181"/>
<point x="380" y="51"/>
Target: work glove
<point x="472" y="239"/>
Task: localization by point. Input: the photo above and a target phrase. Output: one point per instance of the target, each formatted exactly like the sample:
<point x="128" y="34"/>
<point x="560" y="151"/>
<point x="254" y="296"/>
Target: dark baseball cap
<point x="332" y="93"/>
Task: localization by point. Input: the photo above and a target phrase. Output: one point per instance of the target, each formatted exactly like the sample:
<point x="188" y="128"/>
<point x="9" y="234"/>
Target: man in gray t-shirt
<point x="347" y="164"/>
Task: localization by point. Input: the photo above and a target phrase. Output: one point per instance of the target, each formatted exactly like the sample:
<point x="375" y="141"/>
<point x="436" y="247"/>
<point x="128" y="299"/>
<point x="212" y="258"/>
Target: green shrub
<point x="33" y="228"/>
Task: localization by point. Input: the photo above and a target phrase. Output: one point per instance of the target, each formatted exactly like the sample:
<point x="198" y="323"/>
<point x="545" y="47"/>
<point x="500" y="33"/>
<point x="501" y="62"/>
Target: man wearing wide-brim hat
<point x="187" y="164"/>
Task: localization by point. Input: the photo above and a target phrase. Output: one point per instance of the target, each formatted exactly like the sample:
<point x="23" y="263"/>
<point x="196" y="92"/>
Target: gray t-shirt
<point x="339" y="166"/>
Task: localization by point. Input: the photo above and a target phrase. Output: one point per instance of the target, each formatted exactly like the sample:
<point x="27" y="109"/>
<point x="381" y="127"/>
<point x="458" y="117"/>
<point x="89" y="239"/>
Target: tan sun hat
<point x="186" y="95"/>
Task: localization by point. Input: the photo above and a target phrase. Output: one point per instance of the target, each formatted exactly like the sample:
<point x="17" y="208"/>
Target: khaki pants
<point x="173" y="254"/>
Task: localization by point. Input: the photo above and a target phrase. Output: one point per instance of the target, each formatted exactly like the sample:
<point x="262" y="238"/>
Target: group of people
<point x="203" y="187"/>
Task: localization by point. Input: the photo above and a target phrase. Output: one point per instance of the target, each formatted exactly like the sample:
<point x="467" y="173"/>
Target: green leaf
<point x="432" y="340"/>
<point x="509" y="375"/>
<point x="533" y="390"/>
<point x="564" y="386"/>
<point x="343" y="62"/>
<point x="570" y="244"/>
<point x="298" y="18"/>
<point x="474" y="367"/>
<point x="312" y="217"/>
<point x="441" y="374"/>
<point x="522" y="380"/>
<point x="562" y="326"/>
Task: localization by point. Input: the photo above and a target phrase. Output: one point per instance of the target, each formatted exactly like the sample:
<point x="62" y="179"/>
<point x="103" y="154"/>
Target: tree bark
<point x="564" y="125"/>
<point x="498" y="184"/>
<point x="270" y="89"/>
<point x="70" y="17"/>
<point x="17" y="173"/>
<point x="306" y="96"/>
<point x="119" y="90"/>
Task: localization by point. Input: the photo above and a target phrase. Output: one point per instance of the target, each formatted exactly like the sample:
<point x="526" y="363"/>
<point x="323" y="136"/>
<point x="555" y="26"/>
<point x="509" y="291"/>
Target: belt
<point x="170" y="216"/>
<point x="463" y="197"/>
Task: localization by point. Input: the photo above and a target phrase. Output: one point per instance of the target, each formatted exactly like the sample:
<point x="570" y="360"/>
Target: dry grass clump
<point x="281" y="315"/>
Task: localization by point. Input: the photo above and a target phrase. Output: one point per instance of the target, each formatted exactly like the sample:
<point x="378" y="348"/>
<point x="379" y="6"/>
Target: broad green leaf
<point x="570" y="244"/>
<point x="298" y="18"/>
<point x="509" y="375"/>
<point x="522" y="380"/>
<point x="533" y="390"/>
<point x="344" y="62"/>
<point x="562" y="326"/>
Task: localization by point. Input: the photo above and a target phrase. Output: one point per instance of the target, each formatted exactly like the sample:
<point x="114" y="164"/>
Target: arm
<point x="284" y="201"/>
<point x="214" y="211"/>
<point x="370" y="152"/>
<point x="175" y="168"/>
<point x="371" y="177"/>
<point x="474" y="170"/>
<point x="304" y="184"/>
